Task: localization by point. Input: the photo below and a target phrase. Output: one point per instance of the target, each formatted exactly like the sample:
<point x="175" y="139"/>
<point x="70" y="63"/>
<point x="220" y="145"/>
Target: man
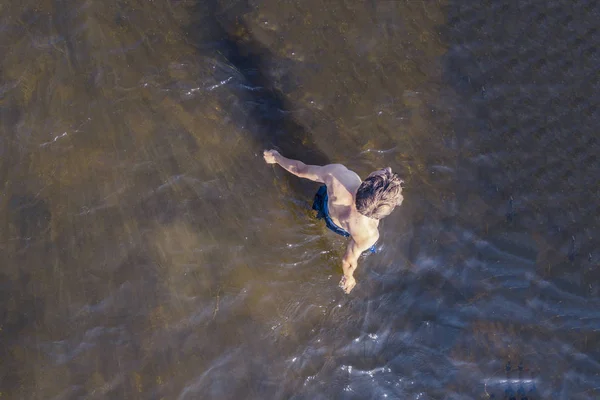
<point x="350" y="206"/>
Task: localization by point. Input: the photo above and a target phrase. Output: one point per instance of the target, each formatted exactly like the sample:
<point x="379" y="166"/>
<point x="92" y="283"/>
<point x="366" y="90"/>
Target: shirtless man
<point x="350" y="206"/>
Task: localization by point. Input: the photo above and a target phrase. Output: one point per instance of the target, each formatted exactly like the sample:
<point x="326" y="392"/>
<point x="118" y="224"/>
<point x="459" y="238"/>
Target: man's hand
<point x="347" y="283"/>
<point x="271" y="156"/>
<point x="313" y="172"/>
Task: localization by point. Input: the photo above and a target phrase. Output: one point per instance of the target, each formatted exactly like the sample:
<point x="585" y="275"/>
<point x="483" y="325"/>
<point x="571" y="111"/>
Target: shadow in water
<point x="223" y="34"/>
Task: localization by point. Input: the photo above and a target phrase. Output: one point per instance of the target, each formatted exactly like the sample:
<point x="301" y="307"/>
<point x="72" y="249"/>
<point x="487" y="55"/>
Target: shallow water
<point x="150" y="253"/>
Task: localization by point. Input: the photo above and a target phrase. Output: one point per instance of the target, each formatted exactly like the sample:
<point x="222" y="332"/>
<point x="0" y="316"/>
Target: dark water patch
<point x="525" y="87"/>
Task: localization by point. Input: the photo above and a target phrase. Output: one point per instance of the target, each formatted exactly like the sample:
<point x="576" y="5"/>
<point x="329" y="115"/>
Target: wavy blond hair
<point x="379" y="194"/>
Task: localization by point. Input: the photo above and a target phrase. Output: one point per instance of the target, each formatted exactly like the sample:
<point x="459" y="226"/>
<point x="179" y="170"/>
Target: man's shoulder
<point x="365" y="238"/>
<point x="336" y="167"/>
<point x="340" y="171"/>
<point x="364" y="233"/>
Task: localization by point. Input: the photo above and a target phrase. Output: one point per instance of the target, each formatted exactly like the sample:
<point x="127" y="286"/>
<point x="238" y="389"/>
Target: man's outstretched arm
<point x="350" y="262"/>
<point x="313" y="172"/>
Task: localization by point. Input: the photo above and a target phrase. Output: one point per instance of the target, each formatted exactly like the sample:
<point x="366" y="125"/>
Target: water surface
<point x="150" y="253"/>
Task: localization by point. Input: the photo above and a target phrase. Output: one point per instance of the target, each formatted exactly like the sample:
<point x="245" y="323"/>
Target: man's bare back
<point x="342" y="185"/>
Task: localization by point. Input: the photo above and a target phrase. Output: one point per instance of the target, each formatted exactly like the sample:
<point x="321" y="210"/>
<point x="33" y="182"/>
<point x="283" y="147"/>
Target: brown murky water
<point x="149" y="253"/>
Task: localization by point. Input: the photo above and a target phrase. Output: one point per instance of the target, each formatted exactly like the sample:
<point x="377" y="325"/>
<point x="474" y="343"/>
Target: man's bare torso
<point x="342" y="185"/>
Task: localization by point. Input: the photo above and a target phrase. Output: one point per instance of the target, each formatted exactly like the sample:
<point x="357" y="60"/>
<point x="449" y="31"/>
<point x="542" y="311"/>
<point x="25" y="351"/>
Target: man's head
<point x="379" y="194"/>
